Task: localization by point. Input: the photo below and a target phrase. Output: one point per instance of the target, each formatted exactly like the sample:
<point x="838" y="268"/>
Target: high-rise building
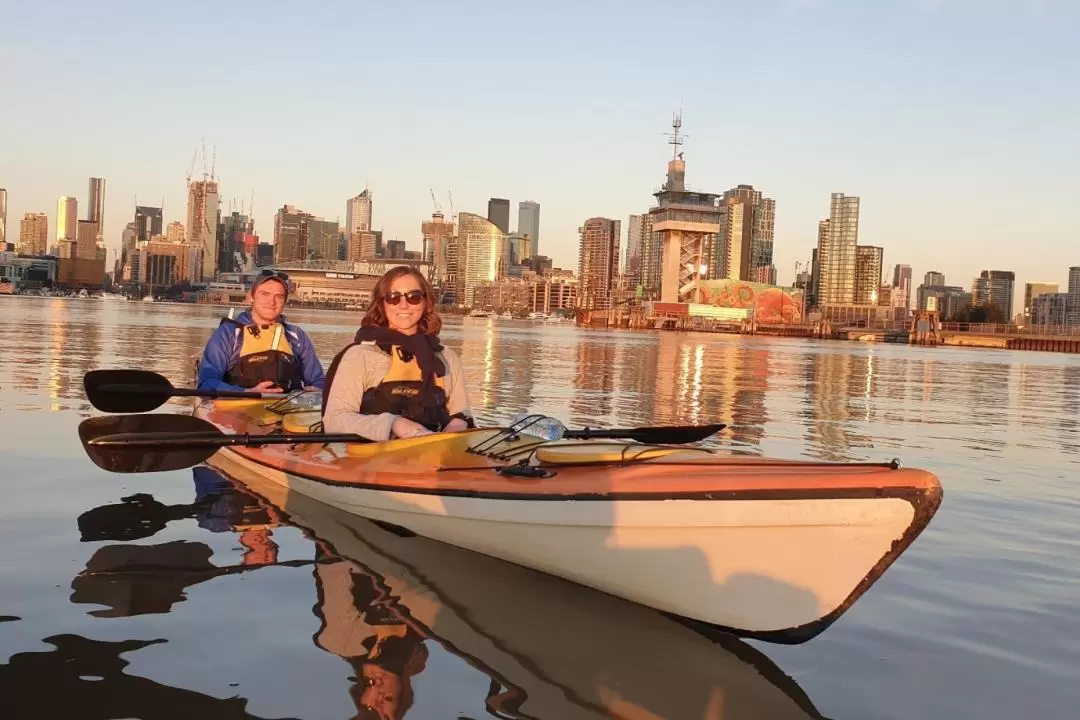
<point x="95" y="211"/>
<point x="529" y="225"/>
<point x="1074" y="281"/>
<point x="518" y="249"/>
<point x="34" y="234"/>
<point x="1072" y="300"/>
<point x="361" y="245"/>
<point x="86" y="240"/>
<point x="901" y="293"/>
<point x="67" y="218"/>
<point x="994" y="287"/>
<point x="499" y="214"/>
<point x="3" y="217"/>
<point x="203" y="211"/>
<point x="299" y="235"/>
<point x="358" y="213"/>
<point x="837" y="238"/>
<point x="598" y="262"/>
<point x="237" y="243"/>
<point x="480" y="250"/>
<point x="744" y="249"/>
<point x="687" y="224"/>
<point x="436" y="234"/>
<point x="175" y="232"/>
<point x="934" y="279"/>
<point x="395" y="249"/>
<point x="868" y="262"/>
<point x="148" y="222"/>
<point x="1033" y="290"/>
<point x="322" y="239"/>
<point x="635" y="244"/>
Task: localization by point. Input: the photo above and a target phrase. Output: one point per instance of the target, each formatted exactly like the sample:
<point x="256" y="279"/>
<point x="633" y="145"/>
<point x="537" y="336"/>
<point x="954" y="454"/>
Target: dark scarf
<point x="422" y="346"/>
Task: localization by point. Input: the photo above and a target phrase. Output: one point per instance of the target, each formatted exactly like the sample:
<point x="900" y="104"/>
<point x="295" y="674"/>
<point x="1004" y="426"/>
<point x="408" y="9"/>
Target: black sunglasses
<point x="414" y="297"/>
<point x="267" y="272"/>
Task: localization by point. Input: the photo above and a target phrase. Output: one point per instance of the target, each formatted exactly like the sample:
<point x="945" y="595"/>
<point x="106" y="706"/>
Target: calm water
<point x="178" y="595"/>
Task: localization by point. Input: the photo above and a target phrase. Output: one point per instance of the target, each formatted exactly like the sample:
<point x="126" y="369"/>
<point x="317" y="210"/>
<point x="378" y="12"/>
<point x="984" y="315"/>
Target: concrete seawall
<point x="1044" y="343"/>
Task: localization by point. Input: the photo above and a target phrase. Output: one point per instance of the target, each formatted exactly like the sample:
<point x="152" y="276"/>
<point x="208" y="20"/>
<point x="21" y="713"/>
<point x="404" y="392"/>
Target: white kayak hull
<point x="777" y="569"/>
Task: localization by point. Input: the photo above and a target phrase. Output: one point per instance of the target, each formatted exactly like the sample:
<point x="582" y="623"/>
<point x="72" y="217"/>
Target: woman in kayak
<point x="396" y="380"/>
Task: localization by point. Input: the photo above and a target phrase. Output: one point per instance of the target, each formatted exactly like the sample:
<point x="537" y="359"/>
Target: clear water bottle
<point x="545" y="428"/>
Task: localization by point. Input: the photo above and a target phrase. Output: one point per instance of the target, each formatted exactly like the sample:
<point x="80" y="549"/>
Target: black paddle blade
<point x="120" y="458"/>
<point x="126" y="391"/>
<point x="662" y="435"/>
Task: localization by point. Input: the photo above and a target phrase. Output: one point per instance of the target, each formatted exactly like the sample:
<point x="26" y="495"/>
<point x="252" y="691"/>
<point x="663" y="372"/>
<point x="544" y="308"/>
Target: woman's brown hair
<point x="430" y="322"/>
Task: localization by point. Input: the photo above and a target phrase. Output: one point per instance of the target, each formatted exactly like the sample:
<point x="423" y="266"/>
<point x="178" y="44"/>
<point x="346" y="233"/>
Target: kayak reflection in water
<point x="396" y="380"/>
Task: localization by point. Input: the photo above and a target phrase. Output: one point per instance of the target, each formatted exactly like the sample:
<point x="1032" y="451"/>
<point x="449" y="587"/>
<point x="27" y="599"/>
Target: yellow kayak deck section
<point x="475" y="462"/>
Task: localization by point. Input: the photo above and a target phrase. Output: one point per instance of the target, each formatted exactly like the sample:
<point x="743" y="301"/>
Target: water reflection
<point x="594" y="381"/>
<point x="1069" y="438"/>
<point x="387" y="600"/>
<point x="85" y="678"/>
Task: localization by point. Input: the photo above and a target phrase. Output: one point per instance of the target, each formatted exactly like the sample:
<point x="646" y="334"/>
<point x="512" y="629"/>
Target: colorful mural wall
<point x="774" y="305"/>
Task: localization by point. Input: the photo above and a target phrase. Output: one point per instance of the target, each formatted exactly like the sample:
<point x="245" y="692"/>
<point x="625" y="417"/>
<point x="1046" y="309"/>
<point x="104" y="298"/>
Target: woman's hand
<point x="456" y="425"/>
<point x="404" y="428"/>
<point x="267" y="386"/>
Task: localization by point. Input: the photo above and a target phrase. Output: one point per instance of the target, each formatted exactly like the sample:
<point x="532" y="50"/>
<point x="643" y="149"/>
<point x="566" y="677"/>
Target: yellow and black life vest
<point x="403" y="391"/>
<point x="265" y="354"/>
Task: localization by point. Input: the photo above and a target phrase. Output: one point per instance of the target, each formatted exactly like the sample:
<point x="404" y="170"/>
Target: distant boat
<point x="479" y="313"/>
<point x="148" y="298"/>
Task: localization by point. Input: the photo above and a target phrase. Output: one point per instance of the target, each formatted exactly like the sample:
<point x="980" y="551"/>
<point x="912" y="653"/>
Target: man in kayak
<point x="396" y="380"/>
<point x="259" y="350"/>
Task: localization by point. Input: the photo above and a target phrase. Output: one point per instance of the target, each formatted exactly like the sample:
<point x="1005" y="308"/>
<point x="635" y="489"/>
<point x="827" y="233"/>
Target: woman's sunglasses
<point x="414" y="297"/>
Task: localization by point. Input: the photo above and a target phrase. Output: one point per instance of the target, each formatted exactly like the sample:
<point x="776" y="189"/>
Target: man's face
<point x="267" y="301"/>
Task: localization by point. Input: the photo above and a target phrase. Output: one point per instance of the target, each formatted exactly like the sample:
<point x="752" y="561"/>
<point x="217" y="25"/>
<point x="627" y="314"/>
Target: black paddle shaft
<point x="170" y="440"/>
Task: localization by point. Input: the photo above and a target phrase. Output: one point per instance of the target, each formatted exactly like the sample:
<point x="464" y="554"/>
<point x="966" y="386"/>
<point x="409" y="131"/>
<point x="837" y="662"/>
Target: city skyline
<point x="925" y="143"/>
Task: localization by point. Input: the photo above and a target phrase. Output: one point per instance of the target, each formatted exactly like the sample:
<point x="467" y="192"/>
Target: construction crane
<point x="453" y="213"/>
<point x="438" y="210"/>
<point x="191" y="168"/>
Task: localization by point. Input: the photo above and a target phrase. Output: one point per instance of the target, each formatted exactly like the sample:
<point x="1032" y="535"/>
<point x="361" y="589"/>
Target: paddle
<point x="157" y="443"/>
<point x="662" y="435"/>
<point x="135" y="391"/>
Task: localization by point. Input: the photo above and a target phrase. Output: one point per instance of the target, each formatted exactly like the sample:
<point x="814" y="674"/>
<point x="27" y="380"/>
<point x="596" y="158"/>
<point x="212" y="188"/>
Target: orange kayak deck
<point x="442" y="464"/>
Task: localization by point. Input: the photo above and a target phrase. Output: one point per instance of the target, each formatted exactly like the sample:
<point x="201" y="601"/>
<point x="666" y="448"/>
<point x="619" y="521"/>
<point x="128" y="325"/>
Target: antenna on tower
<point x="204" y="159"/>
<point x="676" y="138"/>
<point x="213" y="164"/>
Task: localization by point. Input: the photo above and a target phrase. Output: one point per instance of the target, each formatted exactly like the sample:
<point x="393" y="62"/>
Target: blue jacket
<point x="223" y="350"/>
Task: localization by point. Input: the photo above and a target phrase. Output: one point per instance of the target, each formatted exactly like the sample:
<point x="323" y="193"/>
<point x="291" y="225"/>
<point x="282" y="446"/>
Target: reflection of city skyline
<point x="594" y="381"/>
<point x="832" y="380"/>
<point x="713" y="381"/>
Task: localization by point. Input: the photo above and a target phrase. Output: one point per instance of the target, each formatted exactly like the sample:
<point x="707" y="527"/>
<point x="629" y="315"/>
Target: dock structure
<point x="924" y="328"/>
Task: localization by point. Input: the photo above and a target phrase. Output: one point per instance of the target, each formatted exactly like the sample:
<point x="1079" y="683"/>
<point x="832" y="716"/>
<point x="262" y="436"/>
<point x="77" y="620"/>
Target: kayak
<point x="553" y="648"/>
<point x="764" y="548"/>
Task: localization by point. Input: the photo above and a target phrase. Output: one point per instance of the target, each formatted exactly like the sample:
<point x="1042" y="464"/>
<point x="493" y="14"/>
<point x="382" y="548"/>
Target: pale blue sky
<point x="955" y="121"/>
